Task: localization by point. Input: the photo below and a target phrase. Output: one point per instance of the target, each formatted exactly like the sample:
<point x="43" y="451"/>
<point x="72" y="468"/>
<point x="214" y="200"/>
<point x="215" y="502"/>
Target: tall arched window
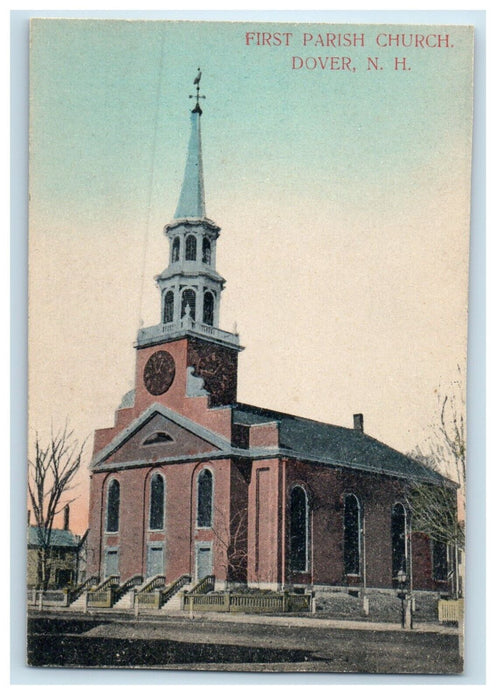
<point x="352" y="530"/>
<point x="157" y="502"/>
<point x="205" y="499"/>
<point x="191" y="248"/>
<point x="206" y="252"/>
<point x="188" y="299"/>
<point x="175" y="249"/>
<point x="169" y="307"/>
<point x="208" y="308"/>
<point x="399" y="538"/>
<point x="113" y="505"/>
<point x="298" y="529"/>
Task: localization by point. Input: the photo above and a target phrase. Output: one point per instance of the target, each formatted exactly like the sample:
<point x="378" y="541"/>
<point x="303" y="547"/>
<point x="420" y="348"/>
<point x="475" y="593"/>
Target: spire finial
<point x="192" y="198"/>
<point x="199" y="97"/>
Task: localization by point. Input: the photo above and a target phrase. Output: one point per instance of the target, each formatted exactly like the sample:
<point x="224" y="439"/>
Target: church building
<point x="188" y="481"/>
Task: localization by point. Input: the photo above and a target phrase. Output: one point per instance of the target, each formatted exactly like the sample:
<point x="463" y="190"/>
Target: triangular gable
<point x="159" y="434"/>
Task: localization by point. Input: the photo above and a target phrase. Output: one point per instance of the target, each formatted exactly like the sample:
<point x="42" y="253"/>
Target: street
<point x="205" y="644"/>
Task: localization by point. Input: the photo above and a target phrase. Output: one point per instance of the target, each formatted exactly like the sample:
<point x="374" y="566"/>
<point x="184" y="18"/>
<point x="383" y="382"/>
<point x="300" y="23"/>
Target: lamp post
<point x="401" y="578"/>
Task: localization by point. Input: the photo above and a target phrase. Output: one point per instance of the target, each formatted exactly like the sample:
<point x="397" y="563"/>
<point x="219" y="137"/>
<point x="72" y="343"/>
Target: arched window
<point x="169" y="307"/>
<point x="113" y="504"/>
<point x="208" y="308"/>
<point x="158" y="436"/>
<point x="298" y="529"/>
<point x="352" y="530"/>
<point x="191" y="248"/>
<point x="188" y="300"/>
<point x="175" y="249"/>
<point x="157" y="493"/>
<point x="205" y="500"/>
<point x="399" y="539"/>
<point x="206" y="252"/>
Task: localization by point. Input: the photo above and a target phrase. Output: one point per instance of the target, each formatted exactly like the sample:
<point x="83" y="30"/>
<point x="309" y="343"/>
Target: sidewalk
<point x="312" y="622"/>
<point x="287" y="621"/>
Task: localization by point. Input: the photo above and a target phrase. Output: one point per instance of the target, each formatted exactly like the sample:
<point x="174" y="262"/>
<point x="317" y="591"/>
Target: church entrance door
<point x="203" y="561"/>
<point x="155" y="561"/>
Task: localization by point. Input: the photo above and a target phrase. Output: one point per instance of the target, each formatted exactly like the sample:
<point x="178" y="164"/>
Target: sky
<point x="343" y="198"/>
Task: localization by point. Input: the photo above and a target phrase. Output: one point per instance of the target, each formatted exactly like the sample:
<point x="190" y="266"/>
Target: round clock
<point x="159" y="372"/>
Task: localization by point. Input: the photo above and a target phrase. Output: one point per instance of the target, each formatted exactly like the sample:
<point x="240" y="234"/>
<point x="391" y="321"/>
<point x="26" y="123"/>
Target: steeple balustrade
<point x="166" y="331"/>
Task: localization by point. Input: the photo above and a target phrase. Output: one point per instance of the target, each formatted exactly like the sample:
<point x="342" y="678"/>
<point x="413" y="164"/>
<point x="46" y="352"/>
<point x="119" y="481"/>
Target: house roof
<point x="59" y="538"/>
<point x="331" y="444"/>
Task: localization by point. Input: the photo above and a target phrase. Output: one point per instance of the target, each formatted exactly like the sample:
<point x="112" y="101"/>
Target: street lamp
<point x="401" y="578"/>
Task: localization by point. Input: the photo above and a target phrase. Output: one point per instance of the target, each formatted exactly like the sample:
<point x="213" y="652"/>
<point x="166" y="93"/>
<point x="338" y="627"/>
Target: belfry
<point x="189" y="485"/>
<point x="190" y="287"/>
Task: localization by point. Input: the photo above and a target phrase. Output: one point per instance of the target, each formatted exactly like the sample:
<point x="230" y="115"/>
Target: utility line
<point x="151" y="181"/>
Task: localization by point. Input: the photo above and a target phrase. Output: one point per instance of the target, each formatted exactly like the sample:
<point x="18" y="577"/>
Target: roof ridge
<point x="351" y="431"/>
<point x="288" y="415"/>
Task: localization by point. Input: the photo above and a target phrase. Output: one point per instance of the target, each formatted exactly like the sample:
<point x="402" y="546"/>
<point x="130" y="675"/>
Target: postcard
<point x="248" y="275"/>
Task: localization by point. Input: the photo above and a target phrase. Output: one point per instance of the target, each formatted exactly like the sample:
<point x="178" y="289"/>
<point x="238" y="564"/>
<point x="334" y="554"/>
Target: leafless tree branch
<point x="51" y="476"/>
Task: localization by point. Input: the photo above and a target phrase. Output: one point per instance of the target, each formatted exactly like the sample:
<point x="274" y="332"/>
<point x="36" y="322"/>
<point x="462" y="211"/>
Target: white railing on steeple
<point x="164" y="331"/>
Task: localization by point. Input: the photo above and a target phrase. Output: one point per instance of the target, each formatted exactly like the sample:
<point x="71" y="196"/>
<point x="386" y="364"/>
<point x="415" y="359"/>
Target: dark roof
<point x="59" y="538"/>
<point x="332" y="444"/>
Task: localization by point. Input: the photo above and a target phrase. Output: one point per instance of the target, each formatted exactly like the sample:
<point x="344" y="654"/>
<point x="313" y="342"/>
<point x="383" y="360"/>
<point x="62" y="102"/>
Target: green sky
<point x="109" y="97"/>
<point x="343" y="199"/>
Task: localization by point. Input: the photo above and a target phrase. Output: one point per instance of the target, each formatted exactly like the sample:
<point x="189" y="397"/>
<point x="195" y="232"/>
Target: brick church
<point x="191" y="482"/>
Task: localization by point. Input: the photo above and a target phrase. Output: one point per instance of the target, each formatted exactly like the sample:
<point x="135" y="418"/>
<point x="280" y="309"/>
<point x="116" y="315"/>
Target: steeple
<point x="192" y="198"/>
<point x="190" y="286"/>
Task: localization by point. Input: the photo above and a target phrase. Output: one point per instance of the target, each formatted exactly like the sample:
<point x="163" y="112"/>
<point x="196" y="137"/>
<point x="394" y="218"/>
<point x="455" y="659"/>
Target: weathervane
<point x="199" y="97"/>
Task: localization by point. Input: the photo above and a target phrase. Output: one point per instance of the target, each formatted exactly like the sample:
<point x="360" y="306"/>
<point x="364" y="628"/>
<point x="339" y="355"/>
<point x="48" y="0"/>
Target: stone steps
<point x="79" y="603"/>
<point x="174" y="604"/>
<point x="124" y="603"/>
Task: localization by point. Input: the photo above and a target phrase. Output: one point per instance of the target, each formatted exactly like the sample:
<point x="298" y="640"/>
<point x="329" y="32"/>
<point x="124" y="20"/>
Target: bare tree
<point x="439" y="510"/>
<point x="434" y="512"/>
<point x="445" y="447"/>
<point x="233" y="539"/>
<point x="50" y="479"/>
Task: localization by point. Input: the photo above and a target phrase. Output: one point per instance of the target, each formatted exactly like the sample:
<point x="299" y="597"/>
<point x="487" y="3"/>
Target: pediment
<point x="158" y="435"/>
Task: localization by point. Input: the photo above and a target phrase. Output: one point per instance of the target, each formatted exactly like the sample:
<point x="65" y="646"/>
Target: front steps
<point x="339" y="603"/>
<point x="174" y="604"/>
<point x="79" y="604"/>
<point x="125" y="602"/>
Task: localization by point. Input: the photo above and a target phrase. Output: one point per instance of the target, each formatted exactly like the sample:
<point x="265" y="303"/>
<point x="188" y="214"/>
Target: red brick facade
<point x="249" y="537"/>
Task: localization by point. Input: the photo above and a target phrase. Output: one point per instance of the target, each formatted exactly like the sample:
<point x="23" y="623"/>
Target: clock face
<point x="159" y="372"/>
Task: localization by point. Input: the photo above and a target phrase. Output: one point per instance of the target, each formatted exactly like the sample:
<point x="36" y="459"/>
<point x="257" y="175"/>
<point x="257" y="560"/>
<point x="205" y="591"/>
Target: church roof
<point x="331" y="444"/>
<point x="191" y="203"/>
